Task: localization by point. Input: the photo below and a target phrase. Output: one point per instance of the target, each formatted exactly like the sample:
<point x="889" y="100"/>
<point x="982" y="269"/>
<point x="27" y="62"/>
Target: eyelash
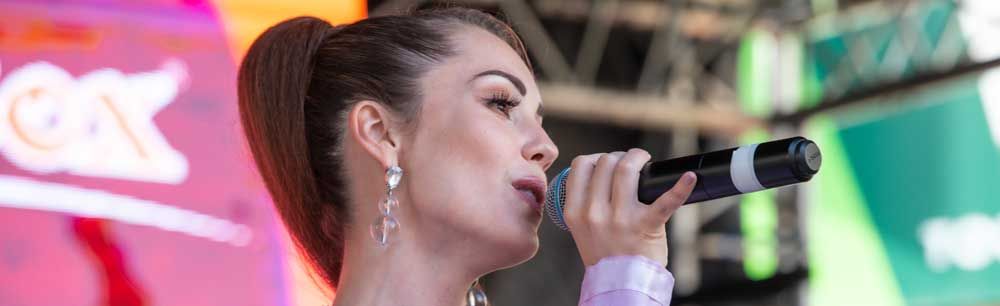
<point x="503" y="102"/>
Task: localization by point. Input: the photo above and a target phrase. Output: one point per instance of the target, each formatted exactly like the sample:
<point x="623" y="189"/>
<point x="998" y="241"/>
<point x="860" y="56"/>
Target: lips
<point x="531" y="190"/>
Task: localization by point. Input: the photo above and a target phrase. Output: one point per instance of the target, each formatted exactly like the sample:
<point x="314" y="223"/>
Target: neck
<point x="401" y="273"/>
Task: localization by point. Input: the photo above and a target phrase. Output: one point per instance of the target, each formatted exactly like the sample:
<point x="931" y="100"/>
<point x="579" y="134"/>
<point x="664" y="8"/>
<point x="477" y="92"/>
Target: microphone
<point x="720" y="173"/>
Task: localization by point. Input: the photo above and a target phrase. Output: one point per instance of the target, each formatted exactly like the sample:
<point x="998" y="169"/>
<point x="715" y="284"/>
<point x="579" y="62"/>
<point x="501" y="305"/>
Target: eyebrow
<point x="513" y="79"/>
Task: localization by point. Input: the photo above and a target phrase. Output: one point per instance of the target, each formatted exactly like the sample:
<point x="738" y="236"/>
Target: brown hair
<point x="296" y="85"/>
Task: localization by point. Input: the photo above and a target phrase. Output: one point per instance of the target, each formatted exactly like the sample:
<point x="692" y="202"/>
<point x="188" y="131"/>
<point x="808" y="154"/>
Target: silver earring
<point x="476" y="296"/>
<point x="385" y="225"/>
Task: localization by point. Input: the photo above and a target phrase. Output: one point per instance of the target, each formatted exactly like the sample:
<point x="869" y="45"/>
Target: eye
<point x="503" y="102"/>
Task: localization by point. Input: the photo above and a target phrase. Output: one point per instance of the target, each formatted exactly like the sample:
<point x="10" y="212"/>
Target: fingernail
<point x="687" y="178"/>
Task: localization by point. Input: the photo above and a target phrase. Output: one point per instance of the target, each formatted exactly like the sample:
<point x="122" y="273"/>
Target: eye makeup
<point x="502" y="101"/>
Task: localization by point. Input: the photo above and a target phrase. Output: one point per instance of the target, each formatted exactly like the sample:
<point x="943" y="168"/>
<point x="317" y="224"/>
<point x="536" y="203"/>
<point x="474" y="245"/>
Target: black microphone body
<point x="734" y="171"/>
<point x="720" y="173"/>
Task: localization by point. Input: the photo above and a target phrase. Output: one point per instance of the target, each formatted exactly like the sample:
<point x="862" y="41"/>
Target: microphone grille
<point x="554" y="199"/>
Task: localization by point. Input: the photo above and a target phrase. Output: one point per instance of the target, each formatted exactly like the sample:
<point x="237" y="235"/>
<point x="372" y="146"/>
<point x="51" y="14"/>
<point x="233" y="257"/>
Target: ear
<point x="369" y="125"/>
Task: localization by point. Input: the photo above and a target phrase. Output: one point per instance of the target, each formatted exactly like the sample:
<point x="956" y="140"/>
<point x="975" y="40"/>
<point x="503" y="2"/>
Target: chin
<point x="511" y="239"/>
<point x="516" y="251"/>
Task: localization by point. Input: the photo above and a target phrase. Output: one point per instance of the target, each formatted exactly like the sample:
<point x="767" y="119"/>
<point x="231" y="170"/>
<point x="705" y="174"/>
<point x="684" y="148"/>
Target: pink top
<point x="626" y="281"/>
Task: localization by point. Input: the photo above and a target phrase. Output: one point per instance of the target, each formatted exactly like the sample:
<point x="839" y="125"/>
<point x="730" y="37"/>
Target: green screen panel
<point x="905" y="210"/>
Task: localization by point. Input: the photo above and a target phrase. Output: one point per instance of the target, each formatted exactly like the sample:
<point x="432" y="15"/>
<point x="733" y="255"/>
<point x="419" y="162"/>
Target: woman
<point x="406" y="156"/>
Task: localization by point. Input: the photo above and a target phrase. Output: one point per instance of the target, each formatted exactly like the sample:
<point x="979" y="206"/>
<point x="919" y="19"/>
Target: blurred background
<point x="124" y="179"/>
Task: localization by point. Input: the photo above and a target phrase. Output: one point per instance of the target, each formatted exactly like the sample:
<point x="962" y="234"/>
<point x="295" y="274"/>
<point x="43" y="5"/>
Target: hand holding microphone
<point x="603" y="212"/>
<point x="597" y="197"/>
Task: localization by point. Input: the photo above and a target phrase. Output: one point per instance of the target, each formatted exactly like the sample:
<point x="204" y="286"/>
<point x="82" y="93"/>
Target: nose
<point x="540" y="149"/>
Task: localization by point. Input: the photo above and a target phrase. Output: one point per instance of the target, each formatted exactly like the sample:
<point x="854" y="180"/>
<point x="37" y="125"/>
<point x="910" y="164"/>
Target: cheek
<point x="460" y="169"/>
<point x="462" y="147"/>
<point x="469" y="143"/>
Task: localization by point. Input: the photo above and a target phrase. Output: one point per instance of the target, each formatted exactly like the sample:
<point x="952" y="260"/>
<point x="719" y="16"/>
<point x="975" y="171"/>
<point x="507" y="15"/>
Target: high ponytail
<point x="274" y="81"/>
<point x="297" y="83"/>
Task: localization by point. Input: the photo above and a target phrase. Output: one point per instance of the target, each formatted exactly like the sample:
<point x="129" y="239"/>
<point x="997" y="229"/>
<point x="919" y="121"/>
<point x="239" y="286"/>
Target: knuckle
<point x="610" y="160"/>
<point x="642" y="155"/>
<point x="638" y="151"/>
<point x="627" y="166"/>
<point x="579" y="161"/>
<point x="604" y="159"/>
<point x="595" y="219"/>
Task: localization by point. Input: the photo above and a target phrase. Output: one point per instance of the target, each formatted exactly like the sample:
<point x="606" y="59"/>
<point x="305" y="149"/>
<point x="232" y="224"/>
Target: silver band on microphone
<point x="741" y="170"/>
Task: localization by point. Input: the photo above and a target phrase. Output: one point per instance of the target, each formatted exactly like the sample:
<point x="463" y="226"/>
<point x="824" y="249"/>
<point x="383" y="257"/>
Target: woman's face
<point x="475" y="163"/>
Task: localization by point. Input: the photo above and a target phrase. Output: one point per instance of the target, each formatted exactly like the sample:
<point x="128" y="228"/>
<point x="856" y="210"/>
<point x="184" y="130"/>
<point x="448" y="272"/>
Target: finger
<point x="669" y="202"/>
<point x="576" y="187"/>
<point x="600" y="187"/>
<point x="625" y="183"/>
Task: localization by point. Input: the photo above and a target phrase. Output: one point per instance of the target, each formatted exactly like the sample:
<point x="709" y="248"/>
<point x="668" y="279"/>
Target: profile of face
<point x="475" y="162"/>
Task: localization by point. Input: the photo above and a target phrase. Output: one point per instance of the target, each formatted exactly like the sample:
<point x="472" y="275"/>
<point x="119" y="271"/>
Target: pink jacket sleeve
<point x="626" y="281"/>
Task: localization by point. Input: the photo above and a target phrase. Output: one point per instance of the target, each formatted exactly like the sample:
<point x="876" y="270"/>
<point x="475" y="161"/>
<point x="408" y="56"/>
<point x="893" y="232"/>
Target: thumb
<point x="669" y="202"/>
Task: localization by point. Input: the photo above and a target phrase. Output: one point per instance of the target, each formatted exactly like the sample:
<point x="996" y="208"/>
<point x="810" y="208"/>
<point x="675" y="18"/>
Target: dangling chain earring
<point x="385" y="225"/>
<point x="476" y="296"/>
